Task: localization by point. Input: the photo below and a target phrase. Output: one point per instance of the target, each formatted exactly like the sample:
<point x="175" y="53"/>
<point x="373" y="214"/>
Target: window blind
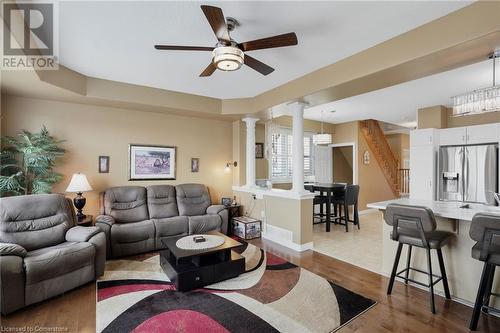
<point x="281" y="154"/>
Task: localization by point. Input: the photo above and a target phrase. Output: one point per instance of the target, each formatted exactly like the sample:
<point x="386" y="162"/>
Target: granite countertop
<point x="445" y="209"/>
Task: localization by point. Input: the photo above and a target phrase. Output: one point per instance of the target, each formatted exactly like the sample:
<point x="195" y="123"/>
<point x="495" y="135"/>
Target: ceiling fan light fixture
<point x="228" y="58"/>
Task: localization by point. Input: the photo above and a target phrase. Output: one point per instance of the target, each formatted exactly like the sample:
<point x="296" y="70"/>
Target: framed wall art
<point x="103" y="164"/>
<point x="150" y="162"/>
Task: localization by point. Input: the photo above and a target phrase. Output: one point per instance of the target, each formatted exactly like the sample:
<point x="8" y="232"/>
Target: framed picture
<point x="103" y="164"/>
<point x="226" y="202"/>
<point x="195" y="165"/>
<point x="148" y="162"/>
<point x="259" y="150"/>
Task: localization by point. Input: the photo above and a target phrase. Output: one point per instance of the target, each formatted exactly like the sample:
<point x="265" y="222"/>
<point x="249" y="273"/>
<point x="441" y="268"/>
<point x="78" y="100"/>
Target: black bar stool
<point x="416" y="226"/>
<point x="485" y="230"/>
<point x="349" y="198"/>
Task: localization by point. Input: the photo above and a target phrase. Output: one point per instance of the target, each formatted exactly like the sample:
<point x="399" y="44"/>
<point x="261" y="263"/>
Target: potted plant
<point x="27" y="162"/>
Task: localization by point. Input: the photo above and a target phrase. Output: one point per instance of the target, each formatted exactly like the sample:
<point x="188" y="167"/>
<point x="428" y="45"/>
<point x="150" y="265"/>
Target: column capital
<point x="250" y="121"/>
<point x="297" y="107"/>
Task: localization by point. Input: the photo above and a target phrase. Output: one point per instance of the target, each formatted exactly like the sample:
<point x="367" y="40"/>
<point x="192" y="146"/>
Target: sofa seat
<point x="54" y="261"/>
<point x="132" y="237"/>
<point x="170" y="227"/>
<point x="203" y="223"/>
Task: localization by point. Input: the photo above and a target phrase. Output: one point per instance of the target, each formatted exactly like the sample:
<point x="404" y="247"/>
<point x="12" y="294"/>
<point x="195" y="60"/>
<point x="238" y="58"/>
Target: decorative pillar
<point x="250" y="150"/>
<point x="297" y="111"/>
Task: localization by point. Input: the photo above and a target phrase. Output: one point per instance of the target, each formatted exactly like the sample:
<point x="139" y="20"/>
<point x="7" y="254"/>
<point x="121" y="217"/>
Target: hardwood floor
<point x="407" y="310"/>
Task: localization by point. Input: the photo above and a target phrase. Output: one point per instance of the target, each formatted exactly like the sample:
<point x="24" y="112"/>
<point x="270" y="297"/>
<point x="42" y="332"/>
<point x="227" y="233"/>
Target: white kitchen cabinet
<point x="453" y="136"/>
<point x="423" y="137"/>
<point x="479" y="134"/>
<point x="422" y="172"/>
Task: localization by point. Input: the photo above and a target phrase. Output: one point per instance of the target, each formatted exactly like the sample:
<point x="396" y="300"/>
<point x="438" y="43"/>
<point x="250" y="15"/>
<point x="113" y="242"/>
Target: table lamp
<point x="78" y="185"/>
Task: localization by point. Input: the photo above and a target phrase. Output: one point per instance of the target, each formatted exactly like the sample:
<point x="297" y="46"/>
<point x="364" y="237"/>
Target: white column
<point x="250" y="149"/>
<point x="297" y="110"/>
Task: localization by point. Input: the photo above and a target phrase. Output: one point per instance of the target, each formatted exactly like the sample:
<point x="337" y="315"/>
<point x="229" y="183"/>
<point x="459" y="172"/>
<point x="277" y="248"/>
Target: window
<point x="281" y="154"/>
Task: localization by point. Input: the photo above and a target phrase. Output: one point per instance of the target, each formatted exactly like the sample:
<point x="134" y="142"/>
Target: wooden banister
<point x="376" y="140"/>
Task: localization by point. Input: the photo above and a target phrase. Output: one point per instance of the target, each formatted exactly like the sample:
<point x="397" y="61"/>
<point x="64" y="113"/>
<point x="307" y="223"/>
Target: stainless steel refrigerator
<point x="468" y="173"/>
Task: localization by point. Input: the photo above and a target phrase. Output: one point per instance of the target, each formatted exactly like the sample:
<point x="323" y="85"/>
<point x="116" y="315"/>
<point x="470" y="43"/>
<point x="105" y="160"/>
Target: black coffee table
<point x="190" y="269"/>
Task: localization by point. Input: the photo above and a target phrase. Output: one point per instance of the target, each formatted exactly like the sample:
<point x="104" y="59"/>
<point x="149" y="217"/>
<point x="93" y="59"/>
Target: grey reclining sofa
<point x="42" y="252"/>
<point x="136" y="219"/>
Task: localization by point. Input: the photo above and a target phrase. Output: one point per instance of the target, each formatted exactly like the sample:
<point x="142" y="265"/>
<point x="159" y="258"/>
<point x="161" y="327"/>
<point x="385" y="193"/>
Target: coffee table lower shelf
<point x="201" y="270"/>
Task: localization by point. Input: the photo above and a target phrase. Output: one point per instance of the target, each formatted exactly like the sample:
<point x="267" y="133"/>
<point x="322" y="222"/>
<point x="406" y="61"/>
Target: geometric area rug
<point x="273" y="295"/>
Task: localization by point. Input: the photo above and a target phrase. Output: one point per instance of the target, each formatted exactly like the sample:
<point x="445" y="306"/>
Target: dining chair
<point x="350" y="198"/>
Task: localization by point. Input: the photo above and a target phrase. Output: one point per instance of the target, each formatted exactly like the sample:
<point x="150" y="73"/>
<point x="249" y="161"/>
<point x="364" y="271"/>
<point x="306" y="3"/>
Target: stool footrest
<point x="438" y="278"/>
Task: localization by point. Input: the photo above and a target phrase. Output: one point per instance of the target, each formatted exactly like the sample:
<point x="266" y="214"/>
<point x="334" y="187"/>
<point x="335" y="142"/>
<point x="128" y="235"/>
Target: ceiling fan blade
<point x="217" y="21"/>
<point x="259" y="66"/>
<point x="183" y="48"/>
<point x="209" y="70"/>
<point x="270" y="42"/>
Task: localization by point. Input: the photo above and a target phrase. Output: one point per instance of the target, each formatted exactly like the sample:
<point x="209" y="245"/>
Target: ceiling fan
<point x="228" y="55"/>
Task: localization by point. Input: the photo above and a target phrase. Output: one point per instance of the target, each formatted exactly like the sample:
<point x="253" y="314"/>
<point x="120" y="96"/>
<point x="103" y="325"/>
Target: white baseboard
<point x="284" y="237"/>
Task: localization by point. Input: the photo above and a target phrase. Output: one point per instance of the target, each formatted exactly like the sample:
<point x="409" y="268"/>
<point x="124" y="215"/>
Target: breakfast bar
<point x="463" y="271"/>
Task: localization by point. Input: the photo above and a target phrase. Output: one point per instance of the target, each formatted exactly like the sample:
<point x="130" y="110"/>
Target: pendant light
<point x="322" y="139"/>
<point x="480" y="100"/>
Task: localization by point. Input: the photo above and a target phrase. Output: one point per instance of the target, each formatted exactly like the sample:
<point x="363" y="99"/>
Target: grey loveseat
<point x="42" y="252"/>
<point x="136" y="219"/>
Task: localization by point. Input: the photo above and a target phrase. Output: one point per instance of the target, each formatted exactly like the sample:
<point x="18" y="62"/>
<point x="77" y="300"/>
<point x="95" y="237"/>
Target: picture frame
<point x="259" y="150"/>
<point x="226" y="202"/>
<point x="152" y="162"/>
<point x="195" y="164"/>
<point x="103" y="164"/>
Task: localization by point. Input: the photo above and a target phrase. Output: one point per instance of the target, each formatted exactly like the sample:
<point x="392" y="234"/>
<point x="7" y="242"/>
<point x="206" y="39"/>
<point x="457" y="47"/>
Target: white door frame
<point x="354" y="158"/>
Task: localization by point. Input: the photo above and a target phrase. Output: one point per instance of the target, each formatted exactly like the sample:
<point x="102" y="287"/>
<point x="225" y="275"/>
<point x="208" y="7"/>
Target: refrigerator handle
<point x="465" y="178"/>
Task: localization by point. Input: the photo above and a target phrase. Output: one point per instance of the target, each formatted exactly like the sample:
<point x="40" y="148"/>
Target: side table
<point x="87" y="221"/>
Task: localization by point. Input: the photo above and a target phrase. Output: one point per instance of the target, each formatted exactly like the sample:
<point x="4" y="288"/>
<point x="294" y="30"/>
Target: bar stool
<point x="322" y="201"/>
<point x="349" y="198"/>
<point x="485" y="230"/>
<point x="416" y="226"/>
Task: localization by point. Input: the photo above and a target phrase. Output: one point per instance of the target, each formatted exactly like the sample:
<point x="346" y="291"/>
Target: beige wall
<point x="398" y="143"/>
<point x="342" y="164"/>
<point x="442" y="117"/>
<point x="91" y="131"/>
<point x="373" y="185"/>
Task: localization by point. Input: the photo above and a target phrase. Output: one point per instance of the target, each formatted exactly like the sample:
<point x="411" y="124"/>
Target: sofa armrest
<point x="215" y="209"/>
<point x="223" y="212"/>
<point x="12" y="287"/>
<point x="10" y="249"/>
<point x="104" y="223"/>
<point x="99" y="242"/>
<point x="81" y="234"/>
<point x="106" y="219"/>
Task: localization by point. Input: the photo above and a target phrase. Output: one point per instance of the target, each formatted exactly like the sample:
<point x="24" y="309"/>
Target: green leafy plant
<point x="27" y="162"/>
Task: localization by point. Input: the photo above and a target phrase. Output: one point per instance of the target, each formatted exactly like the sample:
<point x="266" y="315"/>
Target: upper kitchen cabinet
<point x="453" y="136"/>
<point x="489" y="133"/>
<point x="470" y="135"/>
<point x="423" y="137"/>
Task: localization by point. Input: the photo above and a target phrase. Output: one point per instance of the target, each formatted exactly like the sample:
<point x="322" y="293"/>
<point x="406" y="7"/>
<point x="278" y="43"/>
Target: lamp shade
<point x="322" y="139"/>
<point x="79" y="183"/>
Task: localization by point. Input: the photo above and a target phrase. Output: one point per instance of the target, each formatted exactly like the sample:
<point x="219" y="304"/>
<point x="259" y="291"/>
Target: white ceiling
<point x="399" y="104"/>
<point x="114" y="40"/>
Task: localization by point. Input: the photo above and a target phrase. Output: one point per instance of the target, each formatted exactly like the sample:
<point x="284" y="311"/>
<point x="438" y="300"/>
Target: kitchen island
<point x="463" y="271"/>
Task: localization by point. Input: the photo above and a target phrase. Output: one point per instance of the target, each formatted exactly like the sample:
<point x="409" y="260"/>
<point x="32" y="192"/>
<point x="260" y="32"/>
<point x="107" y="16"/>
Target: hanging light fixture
<point x="322" y="139"/>
<point x="480" y="100"/>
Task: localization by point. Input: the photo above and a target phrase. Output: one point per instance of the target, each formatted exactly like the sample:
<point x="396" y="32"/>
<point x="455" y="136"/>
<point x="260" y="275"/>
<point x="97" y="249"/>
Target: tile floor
<point x="352" y="246"/>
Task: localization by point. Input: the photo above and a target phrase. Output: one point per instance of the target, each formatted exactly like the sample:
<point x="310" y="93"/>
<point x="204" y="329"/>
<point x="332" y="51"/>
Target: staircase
<point x="377" y="142"/>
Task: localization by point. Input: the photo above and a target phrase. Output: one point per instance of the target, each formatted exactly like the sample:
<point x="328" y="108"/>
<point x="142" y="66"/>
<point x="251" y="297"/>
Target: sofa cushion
<point x="132" y="232"/>
<point x="57" y="260"/>
<point x="192" y="199"/>
<point x="171" y="226"/>
<point x="126" y="204"/>
<point x="161" y="201"/>
<point x="204" y="223"/>
<point x="35" y="221"/>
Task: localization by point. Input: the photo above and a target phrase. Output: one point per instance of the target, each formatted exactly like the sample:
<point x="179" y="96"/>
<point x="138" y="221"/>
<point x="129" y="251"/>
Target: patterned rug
<point x="273" y="295"/>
